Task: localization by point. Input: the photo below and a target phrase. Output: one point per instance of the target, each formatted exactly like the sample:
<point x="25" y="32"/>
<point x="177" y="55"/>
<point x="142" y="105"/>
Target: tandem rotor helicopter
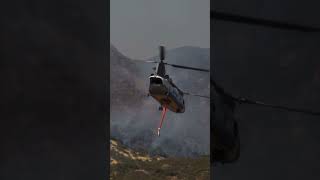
<point x="225" y="141"/>
<point x="163" y="90"/>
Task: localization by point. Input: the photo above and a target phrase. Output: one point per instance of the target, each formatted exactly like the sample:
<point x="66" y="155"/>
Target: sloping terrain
<point x="127" y="164"/>
<point x="124" y="83"/>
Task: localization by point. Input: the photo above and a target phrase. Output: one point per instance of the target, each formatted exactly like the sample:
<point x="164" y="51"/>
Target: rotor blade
<point x="247" y="101"/>
<point x="196" y="95"/>
<point x="187" y="67"/>
<point x="142" y="61"/>
<point x="261" y="22"/>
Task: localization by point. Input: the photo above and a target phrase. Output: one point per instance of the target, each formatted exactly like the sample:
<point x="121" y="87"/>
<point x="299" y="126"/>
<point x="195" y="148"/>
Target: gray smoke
<point x="135" y="117"/>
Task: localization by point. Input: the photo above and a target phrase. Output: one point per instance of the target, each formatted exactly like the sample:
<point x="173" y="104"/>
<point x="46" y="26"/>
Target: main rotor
<point x="161" y="69"/>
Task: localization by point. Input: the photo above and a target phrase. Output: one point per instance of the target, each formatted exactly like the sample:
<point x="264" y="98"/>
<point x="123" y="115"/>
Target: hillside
<point x="127" y="164"/>
<point x="124" y="83"/>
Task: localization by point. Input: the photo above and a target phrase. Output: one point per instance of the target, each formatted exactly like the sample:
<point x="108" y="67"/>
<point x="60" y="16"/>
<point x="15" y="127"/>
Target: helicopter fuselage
<point x="166" y="93"/>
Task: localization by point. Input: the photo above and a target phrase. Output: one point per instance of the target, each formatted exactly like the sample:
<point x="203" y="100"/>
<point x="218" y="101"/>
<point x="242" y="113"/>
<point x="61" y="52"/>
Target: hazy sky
<point x="138" y="27"/>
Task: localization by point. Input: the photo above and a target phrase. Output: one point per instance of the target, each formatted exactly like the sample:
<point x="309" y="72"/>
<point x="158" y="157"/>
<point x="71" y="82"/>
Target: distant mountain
<point x="135" y="117"/>
<point x="124" y="83"/>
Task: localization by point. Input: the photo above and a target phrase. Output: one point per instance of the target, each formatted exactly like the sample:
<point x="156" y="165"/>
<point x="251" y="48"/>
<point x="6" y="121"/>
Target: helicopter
<point x="225" y="140"/>
<point x="163" y="89"/>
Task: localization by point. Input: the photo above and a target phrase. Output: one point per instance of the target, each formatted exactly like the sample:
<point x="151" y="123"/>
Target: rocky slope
<point x="127" y="164"/>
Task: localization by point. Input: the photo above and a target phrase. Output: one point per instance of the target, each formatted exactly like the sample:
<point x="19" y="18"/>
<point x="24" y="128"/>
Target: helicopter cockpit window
<point x="155" y="81"/>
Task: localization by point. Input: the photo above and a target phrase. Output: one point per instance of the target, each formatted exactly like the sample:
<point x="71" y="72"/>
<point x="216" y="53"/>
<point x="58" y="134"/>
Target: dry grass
<point x="129" y="165"/>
